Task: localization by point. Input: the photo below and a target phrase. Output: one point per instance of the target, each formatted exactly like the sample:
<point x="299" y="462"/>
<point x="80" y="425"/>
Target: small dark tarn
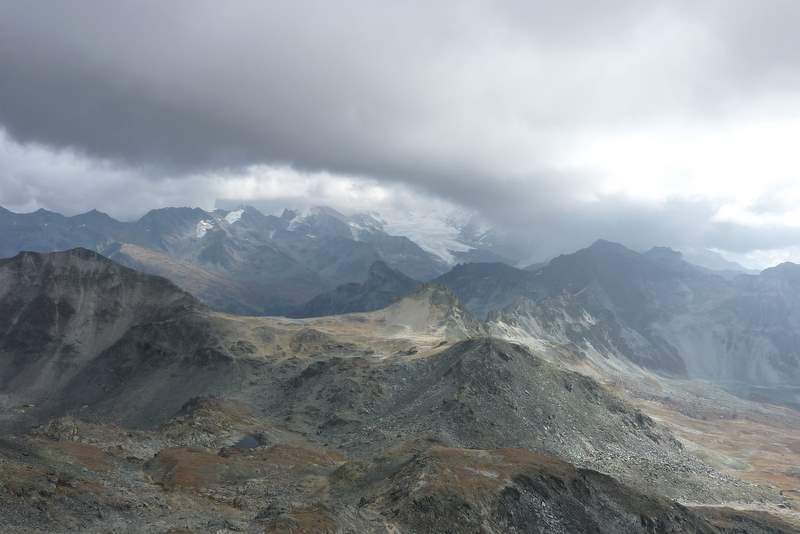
<point x="248" y="442"/>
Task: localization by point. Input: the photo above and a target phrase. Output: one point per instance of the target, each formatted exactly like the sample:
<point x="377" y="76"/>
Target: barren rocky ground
<point x="406" y="419"/>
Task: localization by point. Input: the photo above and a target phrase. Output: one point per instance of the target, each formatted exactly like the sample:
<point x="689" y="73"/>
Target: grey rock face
<point x="79" y="329"/>
<point x="652" y="309"/>
<point x="487" y="287"/>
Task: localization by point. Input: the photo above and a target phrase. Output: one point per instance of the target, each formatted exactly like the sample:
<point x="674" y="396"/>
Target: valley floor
<point x="752" y="441"/>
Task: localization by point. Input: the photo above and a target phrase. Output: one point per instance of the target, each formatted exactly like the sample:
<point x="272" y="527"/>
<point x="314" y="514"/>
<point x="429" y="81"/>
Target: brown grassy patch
<point x="292" y="457"/>
<point x="186" y="468"/>
<point x="473" y="472"/>
<point x="88" y="456"/>
<point x="762" y="453"/>
<point x="312" y="519"/>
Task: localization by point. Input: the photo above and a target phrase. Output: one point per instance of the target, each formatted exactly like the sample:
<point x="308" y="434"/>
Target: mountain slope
<point x="617" y="307"/>
<point x="485" y="287"/>
<point x="431" y="310"/>
<point x="382" y="287"/>
<point x="216" y="288"/>
<point x="79" y="329"/>
<point x="515" y="490"/>
<point x="338" y="422"/>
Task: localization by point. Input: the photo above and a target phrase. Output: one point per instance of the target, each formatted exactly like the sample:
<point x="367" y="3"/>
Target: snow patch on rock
<point x="234" y="216"/>
<point x="202" y="228"/>
<point x="440" y="235"/>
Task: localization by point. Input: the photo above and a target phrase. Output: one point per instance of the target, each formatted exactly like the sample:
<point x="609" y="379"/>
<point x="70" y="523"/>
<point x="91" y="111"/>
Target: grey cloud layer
<point x="464" y="100"/>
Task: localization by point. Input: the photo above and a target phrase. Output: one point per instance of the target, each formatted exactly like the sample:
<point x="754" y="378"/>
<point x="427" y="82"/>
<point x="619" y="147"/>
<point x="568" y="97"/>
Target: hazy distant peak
<point x="710" y="259"/>
<point x="668" y="257"/>
<point x="785" y="269"/>
<point x="664" y="252"/>
<point x="604" y="245"/>
<point x="95" y="215"/>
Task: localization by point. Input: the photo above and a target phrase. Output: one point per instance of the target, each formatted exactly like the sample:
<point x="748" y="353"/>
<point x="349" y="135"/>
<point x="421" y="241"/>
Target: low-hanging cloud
<point x="488" y="105"/>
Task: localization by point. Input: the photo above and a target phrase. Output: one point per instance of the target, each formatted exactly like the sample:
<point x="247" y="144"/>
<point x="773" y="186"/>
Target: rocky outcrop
<point x="431" y="310"/>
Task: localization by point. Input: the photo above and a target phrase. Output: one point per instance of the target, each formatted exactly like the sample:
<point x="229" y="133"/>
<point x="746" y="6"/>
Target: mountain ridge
<point x="300" y="256"/>
<point x="408" y="417"/>
<point x="654" y="310"/>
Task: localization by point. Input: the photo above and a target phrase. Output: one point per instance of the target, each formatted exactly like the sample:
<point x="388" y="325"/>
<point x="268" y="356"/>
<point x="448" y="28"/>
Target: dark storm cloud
<point x="355" y="87"/>
<point x="467" y="100"/>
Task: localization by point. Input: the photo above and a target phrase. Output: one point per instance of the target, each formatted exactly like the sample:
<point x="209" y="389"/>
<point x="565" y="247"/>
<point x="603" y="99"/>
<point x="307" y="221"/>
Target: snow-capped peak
<point x="234" y="216"/>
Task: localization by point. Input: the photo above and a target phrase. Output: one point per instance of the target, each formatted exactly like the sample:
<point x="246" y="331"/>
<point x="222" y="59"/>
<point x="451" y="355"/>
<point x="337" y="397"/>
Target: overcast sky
<point x="672" y="123"/>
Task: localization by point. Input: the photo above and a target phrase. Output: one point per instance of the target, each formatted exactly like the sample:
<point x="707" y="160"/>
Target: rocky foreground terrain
<point x="128" y="406"/>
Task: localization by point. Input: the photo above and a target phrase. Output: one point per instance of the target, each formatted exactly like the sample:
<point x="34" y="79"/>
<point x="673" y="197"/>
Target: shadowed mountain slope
<point x="618" y="307"/>
<point x="382" y="287"/>
<point x="79" y="330"/>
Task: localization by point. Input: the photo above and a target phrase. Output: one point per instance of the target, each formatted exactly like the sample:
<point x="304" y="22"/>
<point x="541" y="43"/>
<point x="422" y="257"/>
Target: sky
<point x="649" y="123"/>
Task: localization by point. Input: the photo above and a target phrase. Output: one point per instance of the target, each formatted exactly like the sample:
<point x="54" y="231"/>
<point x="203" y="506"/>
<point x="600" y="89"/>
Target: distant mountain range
<point x="615" y="306"/>
<point x="243" y="261"/>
